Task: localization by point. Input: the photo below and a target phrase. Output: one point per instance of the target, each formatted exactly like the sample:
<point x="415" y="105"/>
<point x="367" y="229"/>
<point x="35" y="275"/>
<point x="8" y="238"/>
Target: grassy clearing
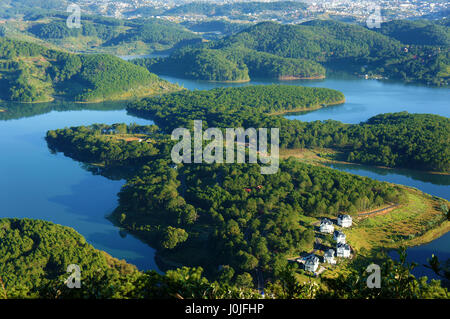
<point x="313" y="155"/>
<point x="126" y="137"/>
<point x="416" y="222"/>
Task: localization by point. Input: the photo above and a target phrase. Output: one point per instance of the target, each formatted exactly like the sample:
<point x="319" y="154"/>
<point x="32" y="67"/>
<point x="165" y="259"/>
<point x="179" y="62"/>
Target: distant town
<point x="349" y="10"/>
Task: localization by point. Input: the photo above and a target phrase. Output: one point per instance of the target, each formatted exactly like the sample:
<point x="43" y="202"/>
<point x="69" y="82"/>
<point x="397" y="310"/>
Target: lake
<point x="37" y="184"/>
<point x="364" y="98"/>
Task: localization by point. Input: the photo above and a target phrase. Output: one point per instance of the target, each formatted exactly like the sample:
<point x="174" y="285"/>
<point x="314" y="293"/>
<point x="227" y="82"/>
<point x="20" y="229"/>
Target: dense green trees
<point x="404" y="140"/>
<point x="221" y="214"/>
<point x="418" y="141"/>
<point x="396" y="282"/>
<point x="35" y="254"/>
<point x="274" y="50"/>
<point x="112" y="35"/>
<point x="211" y="65"/>
<point x="57" y="29"/>
<point x="236" y="64"/>
<point x="232" y="107"/>
<point x="33" y="73"/>
<point x="154" y="31"/>
<point x="417" y="32"/>
<point x="104" y="144"/>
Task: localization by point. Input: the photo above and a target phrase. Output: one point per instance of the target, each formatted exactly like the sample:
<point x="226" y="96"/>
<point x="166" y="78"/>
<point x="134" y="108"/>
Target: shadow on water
<point x="94" y="225"/>
<point x="433" y="184"/>
<point x="13" y="110"/>
<point x="436" y="179"/>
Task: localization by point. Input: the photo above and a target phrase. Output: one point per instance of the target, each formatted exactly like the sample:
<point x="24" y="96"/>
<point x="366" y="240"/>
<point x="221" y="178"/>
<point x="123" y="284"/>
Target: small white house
<point x="339" y="237"/>
<point x="311" y="263"/>
<point x="343" y="250"/>
<point x="328" y="257"/>
<point x="326" y="226"/>
<point x="344" y="220"/>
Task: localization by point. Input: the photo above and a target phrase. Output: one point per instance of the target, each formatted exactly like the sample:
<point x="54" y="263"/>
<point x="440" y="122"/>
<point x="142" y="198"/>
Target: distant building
<point x="329" y="257"/>
<point x="311" y="263"/>
<point x="339" y="237"/>
<point x="343" y="250"/>
<point x="326" y="226"/>
<point x="344" y="220"/>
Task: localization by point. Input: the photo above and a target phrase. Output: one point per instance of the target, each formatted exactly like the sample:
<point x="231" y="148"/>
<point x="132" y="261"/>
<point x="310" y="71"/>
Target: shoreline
<point x="386" y="167"/>
<point x="313" y="108"/>
<point x="293" y="78"/>
<point x="280" y="78"/>
<point x="430" y="235"/>
<point x="323" y="161"/>
<point x="121" y="98"/>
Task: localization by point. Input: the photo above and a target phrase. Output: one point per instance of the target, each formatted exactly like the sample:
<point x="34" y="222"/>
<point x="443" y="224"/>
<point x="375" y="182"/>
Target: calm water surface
<point x="364" y="98"/>
<point x="37" y="184"/>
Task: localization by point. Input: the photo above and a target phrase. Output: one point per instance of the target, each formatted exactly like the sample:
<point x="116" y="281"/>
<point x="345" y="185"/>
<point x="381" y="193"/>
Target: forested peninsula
<point x="33" y="73"/>
<point x="231" y="220"/>
<point x="306" y="50"/>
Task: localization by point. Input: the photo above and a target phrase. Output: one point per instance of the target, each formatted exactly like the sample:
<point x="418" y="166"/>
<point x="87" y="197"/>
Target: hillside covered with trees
<point x="210" y="215"/>
<point x="99" y="34"/>
<point x="417" y="32"/>
<point x="231" y="65"/>
<point x="293" y="51"/>
<point x="229" y="219"/>
<point x="33" y="73"/>
<point x="32" y="242"/>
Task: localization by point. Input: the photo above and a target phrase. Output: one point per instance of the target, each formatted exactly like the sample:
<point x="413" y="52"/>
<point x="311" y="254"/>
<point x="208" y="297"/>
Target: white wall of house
<point x="326" y="228"/>
<point x="344" y="222"/>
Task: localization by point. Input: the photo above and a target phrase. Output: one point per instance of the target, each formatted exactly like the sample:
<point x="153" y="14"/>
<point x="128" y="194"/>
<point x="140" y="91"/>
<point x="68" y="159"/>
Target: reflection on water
<point x="38" y="184"/>
<point x="15" y="111"/>
<point x="433" y="184"/>
<point x="364" y="98"/>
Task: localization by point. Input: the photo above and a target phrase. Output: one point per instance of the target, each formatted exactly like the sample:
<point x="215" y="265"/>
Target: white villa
<point x="328" y="257"/>
<point x="343" y="250"/>
<point x="326" y="226"/>
<point x="339" y="237"/>
<point x="311" y="263"/>
<point x="344" y="220"/>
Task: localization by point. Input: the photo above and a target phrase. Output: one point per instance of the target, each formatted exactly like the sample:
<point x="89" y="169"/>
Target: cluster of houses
<point x="343" y="250"/>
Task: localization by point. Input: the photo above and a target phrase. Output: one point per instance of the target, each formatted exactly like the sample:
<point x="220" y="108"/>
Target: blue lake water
<point x="364" y="98"/>
<point x="37" y="184"/>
